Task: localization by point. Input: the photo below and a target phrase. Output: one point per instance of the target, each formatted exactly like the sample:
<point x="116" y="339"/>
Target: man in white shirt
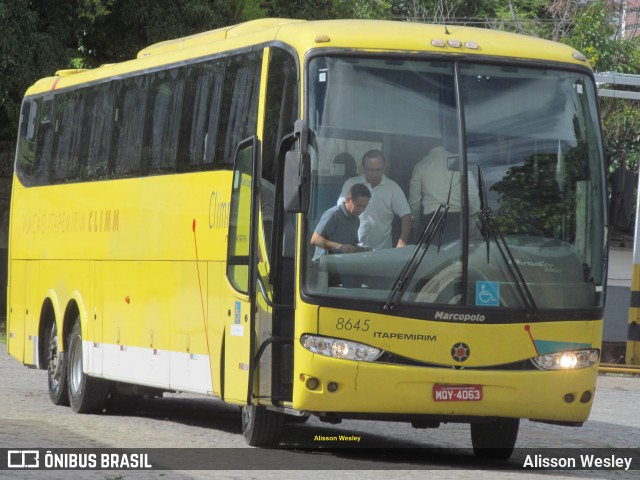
<point x="387" y="200"/>
<point x="433" y="184"/>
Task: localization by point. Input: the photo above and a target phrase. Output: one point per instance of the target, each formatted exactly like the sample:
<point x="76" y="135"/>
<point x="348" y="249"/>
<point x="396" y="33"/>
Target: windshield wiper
<point x="484" y="205"/>
<point x="436" y="222"/>
<point x="492" y="231"/>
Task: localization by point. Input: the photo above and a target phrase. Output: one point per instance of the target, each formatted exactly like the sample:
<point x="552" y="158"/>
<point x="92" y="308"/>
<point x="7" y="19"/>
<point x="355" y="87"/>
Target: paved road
<point x="29" y="420"/>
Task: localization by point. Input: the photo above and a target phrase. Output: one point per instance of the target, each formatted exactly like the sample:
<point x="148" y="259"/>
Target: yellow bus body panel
<point x="511" y="393"/>
<point x="398" y="389"/>
<point x="125" y="253"/>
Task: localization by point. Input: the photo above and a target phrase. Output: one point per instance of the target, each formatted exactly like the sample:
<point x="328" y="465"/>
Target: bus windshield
<point x="488" y="175"/>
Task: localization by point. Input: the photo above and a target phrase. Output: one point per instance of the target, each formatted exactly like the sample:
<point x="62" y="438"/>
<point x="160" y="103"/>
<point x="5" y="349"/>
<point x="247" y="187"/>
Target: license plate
<point x="457" y="393"/>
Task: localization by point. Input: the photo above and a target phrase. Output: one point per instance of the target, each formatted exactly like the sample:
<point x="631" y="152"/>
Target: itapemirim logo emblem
<point x="460" y="352"/>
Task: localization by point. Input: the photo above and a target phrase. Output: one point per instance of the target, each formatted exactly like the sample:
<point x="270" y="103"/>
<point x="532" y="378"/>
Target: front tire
<point x="261" y="427"/>
<point x="495" y="440"/>
<point x="56" y="368"/>
<point x="86" y="394"/>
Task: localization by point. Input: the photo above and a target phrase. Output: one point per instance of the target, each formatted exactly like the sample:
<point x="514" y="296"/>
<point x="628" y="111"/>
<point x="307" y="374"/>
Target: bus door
<point x="239" y="343"/>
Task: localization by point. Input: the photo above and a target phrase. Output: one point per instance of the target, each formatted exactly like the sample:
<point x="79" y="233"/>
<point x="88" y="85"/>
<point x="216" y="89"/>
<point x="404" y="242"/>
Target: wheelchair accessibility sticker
<point x="487" y="294"/>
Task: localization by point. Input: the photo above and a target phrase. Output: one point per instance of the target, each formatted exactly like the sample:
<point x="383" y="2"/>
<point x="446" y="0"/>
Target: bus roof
<point x="216" y="35"/>
<point x="364" y="35"/>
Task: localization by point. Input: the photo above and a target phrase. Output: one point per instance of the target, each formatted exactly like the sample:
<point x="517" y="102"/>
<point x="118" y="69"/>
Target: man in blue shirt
<point x="387" y="201"/>
<point x="337" y="230"/>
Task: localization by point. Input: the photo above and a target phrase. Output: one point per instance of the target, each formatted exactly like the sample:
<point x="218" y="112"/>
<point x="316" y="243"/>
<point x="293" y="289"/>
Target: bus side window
<point x="201" y="115"/>
<point x="68" y="132"/>
<point x="130" y="141"/>
<point x="100" y="107"/>
<point x="28" y="119"/>
<point x="44" y="142"/>
<point x="27" y="145"/>
<point x="239" y="110"/>
<point x="167" y="88"/>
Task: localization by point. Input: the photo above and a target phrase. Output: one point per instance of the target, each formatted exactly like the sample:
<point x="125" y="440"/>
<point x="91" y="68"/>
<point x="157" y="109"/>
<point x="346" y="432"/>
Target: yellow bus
<point x="162" y="211"/>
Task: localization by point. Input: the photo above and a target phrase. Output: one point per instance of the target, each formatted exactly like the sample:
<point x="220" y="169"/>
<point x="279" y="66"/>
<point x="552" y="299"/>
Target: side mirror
<point x="297" y="172"/>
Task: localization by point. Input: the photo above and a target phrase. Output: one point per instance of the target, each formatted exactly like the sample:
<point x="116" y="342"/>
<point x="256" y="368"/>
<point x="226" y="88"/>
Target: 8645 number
<point x="347" y="324"/>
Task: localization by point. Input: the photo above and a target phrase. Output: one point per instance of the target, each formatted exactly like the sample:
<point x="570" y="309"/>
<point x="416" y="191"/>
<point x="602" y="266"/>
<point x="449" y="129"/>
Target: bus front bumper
<point x="348" y="388"/>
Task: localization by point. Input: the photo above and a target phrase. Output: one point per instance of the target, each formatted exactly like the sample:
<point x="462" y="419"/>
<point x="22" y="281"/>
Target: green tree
<point x="32" y="45"/>
<point x="529" y="17"/>
<point x="595" y="34"/>
<point x="40" y="37"/>
<point x="466" y="12"/>
<point x="368" y="9"/>
<point x="303" y="9"/>
<point x="115" y="30"/>
<point x="621" y="125"/>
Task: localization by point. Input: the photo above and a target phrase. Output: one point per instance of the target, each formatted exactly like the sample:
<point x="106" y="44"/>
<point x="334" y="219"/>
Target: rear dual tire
<point x="86" y="394"/>
<point x="56" y="368"/>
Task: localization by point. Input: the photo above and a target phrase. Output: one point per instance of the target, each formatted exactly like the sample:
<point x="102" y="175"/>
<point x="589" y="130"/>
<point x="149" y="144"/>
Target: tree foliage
<point x="621" y="125"/>
<point x="30" y="45"/>
<point x="594" y="34"/>
<point x="40" y="37"/>
<point x="598" y="38"/>
<point x="538" y="208"/>
<point x="115" y="30"/>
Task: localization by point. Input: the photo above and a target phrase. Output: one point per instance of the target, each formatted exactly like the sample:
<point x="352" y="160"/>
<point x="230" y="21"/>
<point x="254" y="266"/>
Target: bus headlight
<point x="339" y="348"/>
<point x="569" y="360"/>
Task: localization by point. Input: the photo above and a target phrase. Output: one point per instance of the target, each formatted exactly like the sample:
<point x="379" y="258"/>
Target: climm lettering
<point x="76" y="221"/>
<point x="104" y="220"/>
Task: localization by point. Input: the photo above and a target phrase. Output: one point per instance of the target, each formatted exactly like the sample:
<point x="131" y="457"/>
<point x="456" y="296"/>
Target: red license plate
<point x="457" y="393"/>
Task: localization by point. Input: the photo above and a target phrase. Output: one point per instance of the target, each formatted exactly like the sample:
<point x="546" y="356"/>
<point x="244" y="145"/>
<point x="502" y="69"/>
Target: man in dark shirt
<point x="337" y="231"/>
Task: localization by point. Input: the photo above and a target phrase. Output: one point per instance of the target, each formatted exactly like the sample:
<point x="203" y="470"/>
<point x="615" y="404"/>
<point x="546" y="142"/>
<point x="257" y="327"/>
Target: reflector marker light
<point x="436" y="42"/>
<point x="579" y="56"/>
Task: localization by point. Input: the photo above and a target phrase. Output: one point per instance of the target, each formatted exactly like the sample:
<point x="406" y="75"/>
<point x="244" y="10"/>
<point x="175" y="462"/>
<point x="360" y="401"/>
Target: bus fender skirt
<point x="52" y="298"/>
<point x="76" y="296"/>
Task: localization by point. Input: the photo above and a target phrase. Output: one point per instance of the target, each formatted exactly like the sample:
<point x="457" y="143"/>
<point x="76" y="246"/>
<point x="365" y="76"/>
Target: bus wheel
<point x="495" y="440"/>
<point x="261" y="427"/>
<point x="86" y="394"/>
<point x="56" y="368"/>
